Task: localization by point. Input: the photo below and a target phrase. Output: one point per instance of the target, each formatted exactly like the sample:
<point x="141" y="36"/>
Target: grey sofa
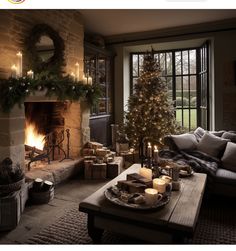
<point x="223" y="180"/>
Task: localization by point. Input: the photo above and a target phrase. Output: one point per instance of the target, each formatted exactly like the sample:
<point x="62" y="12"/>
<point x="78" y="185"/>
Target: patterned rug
<point x="216" y="225"/>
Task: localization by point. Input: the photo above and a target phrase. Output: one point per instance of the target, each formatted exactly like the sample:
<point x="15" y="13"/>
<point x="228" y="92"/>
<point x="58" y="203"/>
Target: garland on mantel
<point x="15" y="91"/>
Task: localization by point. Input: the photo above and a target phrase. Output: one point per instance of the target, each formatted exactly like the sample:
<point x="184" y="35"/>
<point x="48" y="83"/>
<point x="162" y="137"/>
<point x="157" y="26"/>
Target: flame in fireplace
<point x="32" y="137"/>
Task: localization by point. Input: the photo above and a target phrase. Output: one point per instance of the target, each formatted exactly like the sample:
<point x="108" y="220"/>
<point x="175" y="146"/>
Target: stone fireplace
<point x="66" y="115"/>
<point x="47" y="115"/>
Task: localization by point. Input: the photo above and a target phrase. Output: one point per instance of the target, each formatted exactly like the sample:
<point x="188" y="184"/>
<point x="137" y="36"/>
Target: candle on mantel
<point x="151" y="196"/>
<point x="90" y="80"/>
<point x="146" y="172"/>
<point x="85" y="80"/>
<point x="30" y="74"/>
<point x="14" y="71"/>
<point x="155" y="154"/>
<point x="149" y="150"/>
<point x="77" y="71"/>
<point x="73" y="76"/>
<point x="19" y="64"/>
<point x="159" y="185"/>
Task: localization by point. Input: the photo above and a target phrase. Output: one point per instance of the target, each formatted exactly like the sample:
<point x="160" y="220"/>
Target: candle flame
<point x="14" y="67"/>
<point x="149" y="144"/>
<point x="19" y="54"/>
<point x="77" y="64"/>
<point x="155" y="148"/>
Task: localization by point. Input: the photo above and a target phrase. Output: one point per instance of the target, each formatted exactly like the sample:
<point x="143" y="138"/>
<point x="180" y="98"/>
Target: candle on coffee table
<point x="159" y="185"/>
<point x="146" y="172"/>
<point x="151" y="196"/>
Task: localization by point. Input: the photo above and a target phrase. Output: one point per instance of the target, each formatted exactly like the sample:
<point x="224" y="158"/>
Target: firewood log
<point x="47" y="185"/>
<point x="37" y="185"/>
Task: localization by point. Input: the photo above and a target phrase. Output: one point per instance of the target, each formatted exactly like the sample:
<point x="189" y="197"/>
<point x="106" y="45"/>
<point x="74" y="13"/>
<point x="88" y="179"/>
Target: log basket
<point x="9" y="188"/>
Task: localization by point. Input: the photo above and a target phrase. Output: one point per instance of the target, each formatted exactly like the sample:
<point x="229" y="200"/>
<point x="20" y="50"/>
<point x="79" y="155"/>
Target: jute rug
<point x="216" y="225"/>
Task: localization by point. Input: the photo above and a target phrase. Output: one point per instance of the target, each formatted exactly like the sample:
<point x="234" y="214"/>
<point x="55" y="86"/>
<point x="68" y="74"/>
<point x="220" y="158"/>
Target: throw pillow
<point x="217" y="133"/>
<point x="185" y="141"/>
<point x="199" y="132"/>
<point x="230" y="136"/>
<point x="229" y="158"/>
<point x="211" y="144"/>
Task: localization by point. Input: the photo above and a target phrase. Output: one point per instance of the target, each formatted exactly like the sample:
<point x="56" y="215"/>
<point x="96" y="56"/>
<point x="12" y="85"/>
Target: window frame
<point x="173" y="76"/>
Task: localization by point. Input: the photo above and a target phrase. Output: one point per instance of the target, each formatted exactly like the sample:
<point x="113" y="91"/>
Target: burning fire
<point x="32" y="137"/>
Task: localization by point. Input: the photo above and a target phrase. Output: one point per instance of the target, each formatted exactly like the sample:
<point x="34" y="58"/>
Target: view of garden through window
<point x="179" y="70"/>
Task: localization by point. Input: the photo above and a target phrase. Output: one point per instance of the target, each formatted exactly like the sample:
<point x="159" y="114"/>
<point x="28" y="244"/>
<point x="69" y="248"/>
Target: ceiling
<point x="116" y="22"/>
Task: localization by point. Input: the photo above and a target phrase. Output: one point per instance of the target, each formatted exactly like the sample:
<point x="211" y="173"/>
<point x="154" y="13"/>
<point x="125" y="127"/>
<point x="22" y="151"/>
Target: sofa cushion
<point x="225" y="176"/>
<point x="185" y="141"/>
<point x="199" y="132"/>
<point x="211" y="144"/>
<point x="229" y="158"/>
<point x="229" y="135"/>
<point x="217" y="133"/>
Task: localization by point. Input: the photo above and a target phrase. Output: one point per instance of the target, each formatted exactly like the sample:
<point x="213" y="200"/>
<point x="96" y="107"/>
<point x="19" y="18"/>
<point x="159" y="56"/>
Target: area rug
<point x="216" y="225"/>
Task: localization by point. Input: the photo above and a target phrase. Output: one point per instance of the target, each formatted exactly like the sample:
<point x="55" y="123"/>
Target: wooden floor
<point x="37" y="217"/>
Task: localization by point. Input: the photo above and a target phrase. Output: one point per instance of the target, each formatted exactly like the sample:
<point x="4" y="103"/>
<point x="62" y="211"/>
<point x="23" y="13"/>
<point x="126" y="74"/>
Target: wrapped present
<point x="88" y="166"/>
<point x="88" y="152"/>
<point x="99" y="171"/>
<point x="113" y="168"/>
<point x="94" y="145"/>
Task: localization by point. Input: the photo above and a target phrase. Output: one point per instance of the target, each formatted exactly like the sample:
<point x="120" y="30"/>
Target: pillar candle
<point x="73" y="76"/>
<point x="146" y="172"/>
<point x="166" y="178"/>
<point x="151" y="196"/>
<point x="14" y="71"/>
<point x="77" y="71"/>
<point x="149" y="150"/>
<point x="30" y="74"/>
<point x="19" y="64"/>
<point x="155" y="154"/>
<point x="159" y="185"/>
<point x="85" y="80"/>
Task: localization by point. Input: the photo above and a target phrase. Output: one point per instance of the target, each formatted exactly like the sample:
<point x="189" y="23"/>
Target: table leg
<point x="94" y="233"/>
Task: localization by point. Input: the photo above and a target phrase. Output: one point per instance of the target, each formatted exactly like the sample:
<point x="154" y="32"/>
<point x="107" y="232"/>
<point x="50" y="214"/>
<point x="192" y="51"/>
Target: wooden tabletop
<point x="181" y="213"/>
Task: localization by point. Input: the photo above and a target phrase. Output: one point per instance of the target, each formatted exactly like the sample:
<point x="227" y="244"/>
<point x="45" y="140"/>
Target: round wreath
<point x="55" y="64"/>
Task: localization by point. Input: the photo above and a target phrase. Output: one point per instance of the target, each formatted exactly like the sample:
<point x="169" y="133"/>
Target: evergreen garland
<point x="15" y="91"/>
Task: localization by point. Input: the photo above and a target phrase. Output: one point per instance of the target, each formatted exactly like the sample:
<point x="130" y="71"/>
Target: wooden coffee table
<point x="169" y="224"/>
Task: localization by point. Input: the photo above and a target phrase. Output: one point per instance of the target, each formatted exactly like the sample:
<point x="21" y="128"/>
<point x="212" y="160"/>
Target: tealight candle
<point x="90" y="80"/>
<point x="151" y="196"/>
<point x="160" y="185"/>
<point x="146" y="172"/>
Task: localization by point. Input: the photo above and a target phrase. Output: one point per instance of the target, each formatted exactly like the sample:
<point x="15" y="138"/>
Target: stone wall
<point x="15" y="25"/>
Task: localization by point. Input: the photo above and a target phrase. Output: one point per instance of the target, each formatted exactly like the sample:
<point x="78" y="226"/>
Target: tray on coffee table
<point x="117" y="201"/>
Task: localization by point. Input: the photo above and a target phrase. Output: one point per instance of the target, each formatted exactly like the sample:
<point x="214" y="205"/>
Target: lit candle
<point x="156" y="156"/>
<point x="146" y="172"/>
<point x="19" y="64"/>
<point x="151" y="196"/>
<point x="131" y="150"/>
<point x="72" y="76"/>
<point x="149" y="150"/>
<point x="159" y="185"/>
<point x="85" y="80"/>
<point x="30" y="74"/>
<point x="77" y="71"/>
<point x="90" y="80"/>
<point x="14" y="71"/>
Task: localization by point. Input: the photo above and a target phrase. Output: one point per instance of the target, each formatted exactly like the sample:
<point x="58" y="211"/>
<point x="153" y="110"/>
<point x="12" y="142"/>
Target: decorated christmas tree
<point x="150" y="114"/>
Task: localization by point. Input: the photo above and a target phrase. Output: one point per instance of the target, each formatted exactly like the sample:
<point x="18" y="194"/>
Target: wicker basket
<point x="9" y="188"/>
<point x="41" y="197"/>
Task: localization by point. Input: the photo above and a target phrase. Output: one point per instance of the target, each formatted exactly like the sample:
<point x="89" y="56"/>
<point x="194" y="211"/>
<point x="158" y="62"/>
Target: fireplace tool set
<point x="53" y="148"/>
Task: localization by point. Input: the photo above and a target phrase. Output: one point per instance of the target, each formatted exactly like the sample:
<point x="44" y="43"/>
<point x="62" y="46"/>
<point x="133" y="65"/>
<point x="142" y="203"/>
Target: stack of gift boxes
<point x="100" y="162"/>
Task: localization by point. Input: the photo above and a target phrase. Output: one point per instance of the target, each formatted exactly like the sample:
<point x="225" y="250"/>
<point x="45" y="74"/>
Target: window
<point x="179" y="70"/>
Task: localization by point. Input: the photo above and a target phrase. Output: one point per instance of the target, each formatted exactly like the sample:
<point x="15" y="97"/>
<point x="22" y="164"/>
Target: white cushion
<point x="211" y="144"/>
<point x="199" y="132"/>
<point x="185" y="141"/>
<point x="229" y="158"/>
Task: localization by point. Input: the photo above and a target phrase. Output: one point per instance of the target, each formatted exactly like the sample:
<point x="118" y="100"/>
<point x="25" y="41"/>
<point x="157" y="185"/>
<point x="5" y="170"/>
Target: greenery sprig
<point x="15" y="91"/>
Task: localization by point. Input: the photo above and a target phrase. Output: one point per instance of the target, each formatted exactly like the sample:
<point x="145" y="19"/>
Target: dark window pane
<point x="169" y="63"/>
